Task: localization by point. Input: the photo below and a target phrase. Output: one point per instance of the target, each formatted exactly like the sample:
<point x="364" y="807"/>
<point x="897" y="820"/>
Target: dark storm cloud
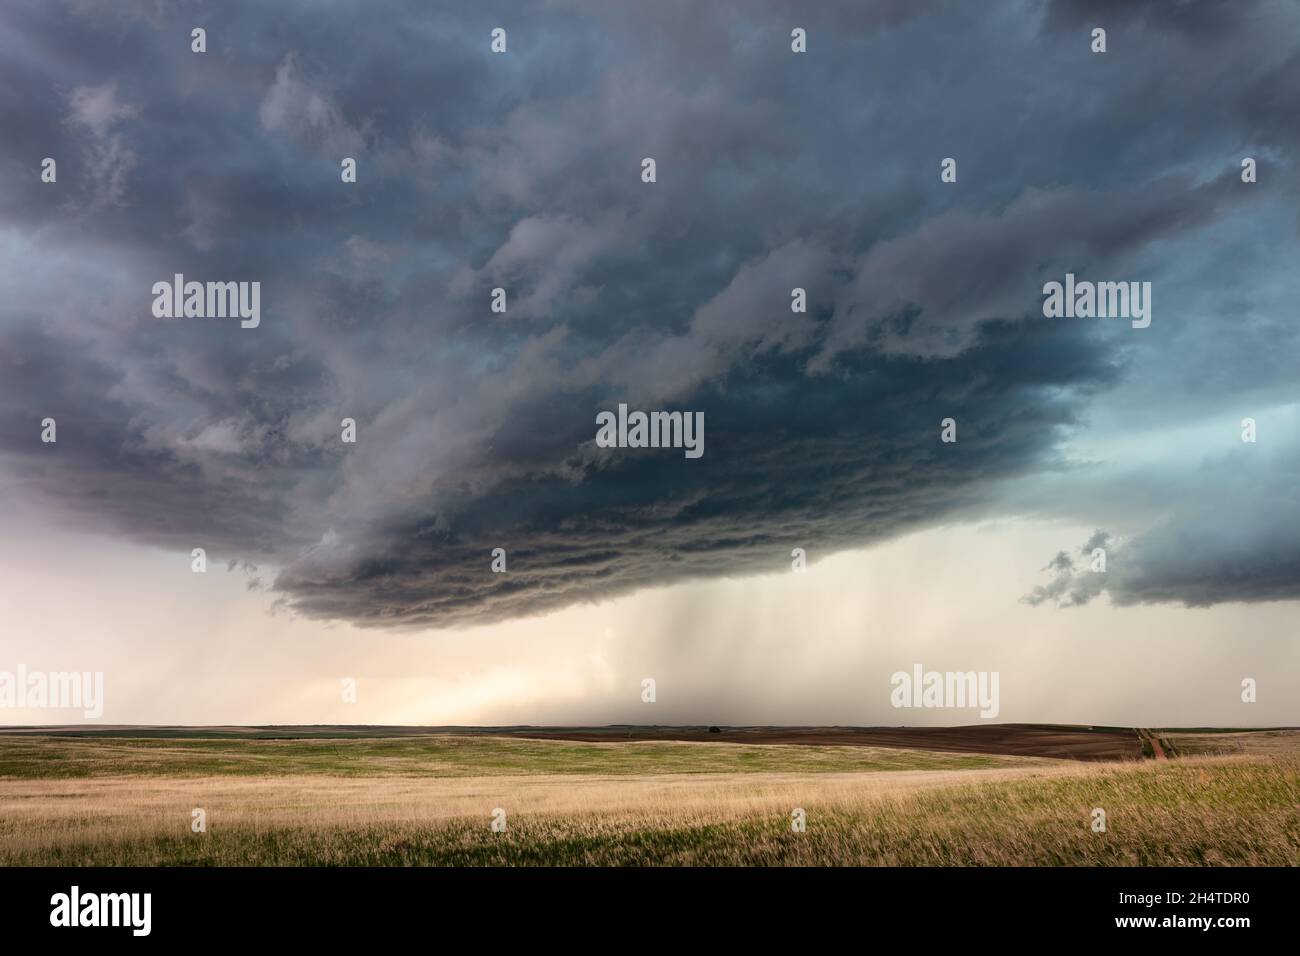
<point x="1207" y="19"/>
<point x="823" y="463"/>
<point x="1229" y="536"/>
<point x="1227" y="533"/>
<point x="474" y="429"/>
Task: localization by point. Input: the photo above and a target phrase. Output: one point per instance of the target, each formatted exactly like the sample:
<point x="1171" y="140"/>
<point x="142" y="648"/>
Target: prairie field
<point x="430" y="800"/>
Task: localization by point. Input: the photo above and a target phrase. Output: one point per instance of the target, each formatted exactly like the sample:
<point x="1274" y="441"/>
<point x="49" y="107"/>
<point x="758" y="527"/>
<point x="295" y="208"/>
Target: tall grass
<point x="1213" y="810"/>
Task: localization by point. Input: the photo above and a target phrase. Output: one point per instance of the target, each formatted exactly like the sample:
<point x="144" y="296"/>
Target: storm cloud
<point x="523" y="171"/>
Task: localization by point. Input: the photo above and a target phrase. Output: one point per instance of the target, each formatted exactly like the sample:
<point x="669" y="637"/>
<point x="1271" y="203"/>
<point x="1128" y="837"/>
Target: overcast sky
<point x="475" y="430"/>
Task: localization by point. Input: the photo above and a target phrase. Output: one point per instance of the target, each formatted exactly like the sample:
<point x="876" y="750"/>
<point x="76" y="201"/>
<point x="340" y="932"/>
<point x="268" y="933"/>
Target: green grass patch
<point x="448" y="756"/>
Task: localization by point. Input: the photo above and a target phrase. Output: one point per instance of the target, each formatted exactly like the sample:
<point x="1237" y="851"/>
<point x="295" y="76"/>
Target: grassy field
<point x="449" y="756"/>
<point x="1256" y="743"/>
<point x="429" y="801"/>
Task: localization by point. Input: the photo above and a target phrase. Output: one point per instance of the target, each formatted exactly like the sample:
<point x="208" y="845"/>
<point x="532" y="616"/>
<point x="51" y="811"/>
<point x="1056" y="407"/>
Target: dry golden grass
<point x="35" y="812"/>
<point x="1258" y="743"/>
<point x="1231" y="810"/>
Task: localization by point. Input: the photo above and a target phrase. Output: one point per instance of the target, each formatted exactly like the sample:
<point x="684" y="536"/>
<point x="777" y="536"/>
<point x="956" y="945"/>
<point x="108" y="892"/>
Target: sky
<point x="331" y="561"/>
